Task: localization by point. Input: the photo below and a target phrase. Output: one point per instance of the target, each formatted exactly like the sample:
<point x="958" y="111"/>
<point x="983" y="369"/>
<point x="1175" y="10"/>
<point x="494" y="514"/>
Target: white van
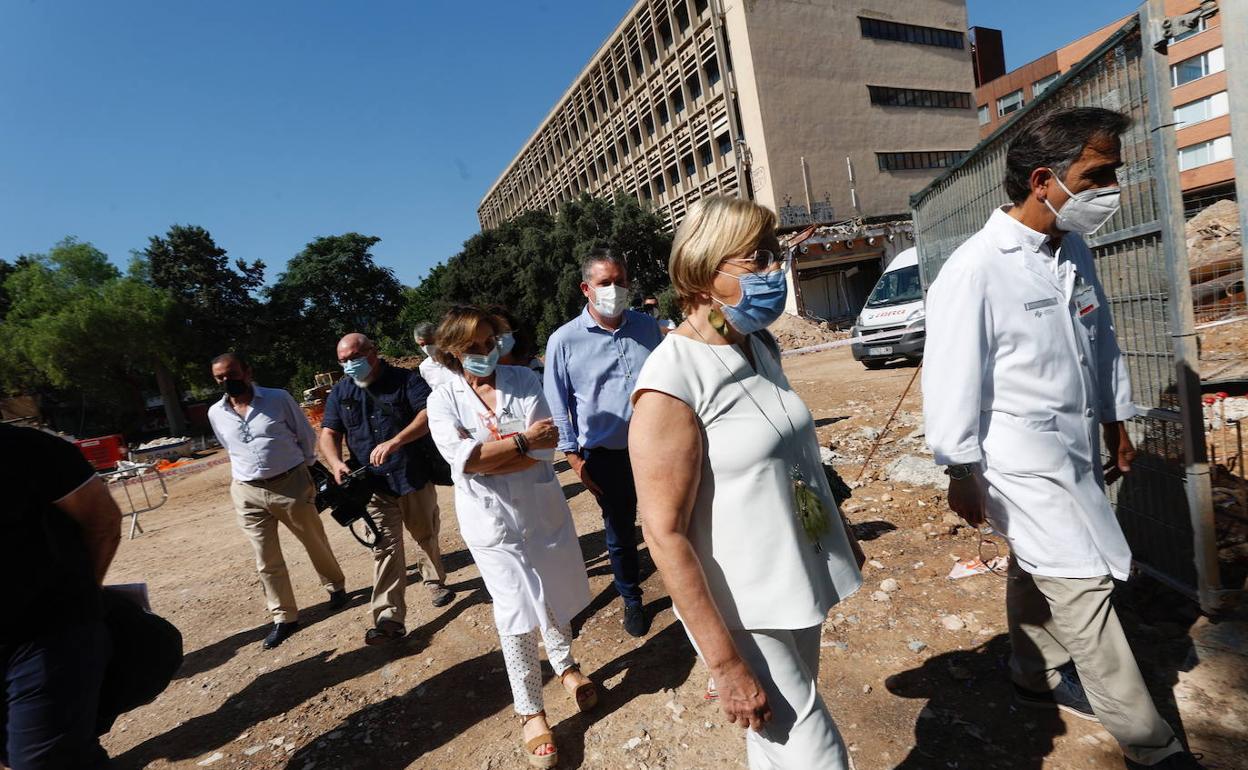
<point x="895" y="307"/>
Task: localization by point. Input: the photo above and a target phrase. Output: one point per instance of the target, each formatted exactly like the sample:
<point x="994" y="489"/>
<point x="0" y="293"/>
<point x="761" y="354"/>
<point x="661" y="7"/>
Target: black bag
<point x="147" y="652"/>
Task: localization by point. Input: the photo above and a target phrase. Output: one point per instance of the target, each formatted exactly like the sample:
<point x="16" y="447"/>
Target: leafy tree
<point x="332" y="287"/>
<point x="76" y="326"/>
<point x="214" y="307"/>
<point x="531" y="263"/>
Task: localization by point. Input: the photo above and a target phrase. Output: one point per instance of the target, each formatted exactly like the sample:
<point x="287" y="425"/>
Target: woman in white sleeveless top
<point x="736" y="509"/>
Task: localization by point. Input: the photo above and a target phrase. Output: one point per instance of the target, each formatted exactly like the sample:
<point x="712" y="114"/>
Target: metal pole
<point x="1235" y="48"/>
<point x="745" y="187"/>
<point x="1186" y="360"/>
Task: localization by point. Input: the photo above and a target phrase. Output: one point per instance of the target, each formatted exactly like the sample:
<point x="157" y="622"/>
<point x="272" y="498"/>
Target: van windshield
<point x="897" y="288"/>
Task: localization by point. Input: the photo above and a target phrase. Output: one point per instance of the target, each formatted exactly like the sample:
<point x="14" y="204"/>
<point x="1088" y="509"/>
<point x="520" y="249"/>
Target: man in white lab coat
<point x="1022" y="365"/>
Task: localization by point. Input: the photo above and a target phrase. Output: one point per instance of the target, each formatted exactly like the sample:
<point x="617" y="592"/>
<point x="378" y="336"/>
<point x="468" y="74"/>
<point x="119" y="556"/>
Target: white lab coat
<point x="1021" y="366"/>
<point x="434" y="373"/>
<point x="517" y="526"/>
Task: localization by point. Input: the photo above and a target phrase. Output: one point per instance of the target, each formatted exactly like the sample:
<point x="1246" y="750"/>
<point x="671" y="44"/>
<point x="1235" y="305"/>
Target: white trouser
<point x="524" y="667"/>
<point x="801" y="734"/>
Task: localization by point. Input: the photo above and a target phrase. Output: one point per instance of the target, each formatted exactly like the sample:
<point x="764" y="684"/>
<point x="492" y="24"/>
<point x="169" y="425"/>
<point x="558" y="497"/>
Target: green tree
<point x="531" y="264"/>
<point x="214" y="306"/>
<point x="77" y="327"/>
<point x="331" y="287"/>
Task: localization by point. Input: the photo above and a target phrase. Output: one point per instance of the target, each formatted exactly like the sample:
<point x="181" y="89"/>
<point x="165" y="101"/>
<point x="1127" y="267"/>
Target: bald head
<point x="355" y="345"/>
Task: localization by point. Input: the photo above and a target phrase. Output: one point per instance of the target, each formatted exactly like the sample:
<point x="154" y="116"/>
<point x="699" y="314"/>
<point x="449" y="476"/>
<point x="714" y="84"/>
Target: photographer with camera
<point x="271" y="445"/>
<point x="380" y="410"/>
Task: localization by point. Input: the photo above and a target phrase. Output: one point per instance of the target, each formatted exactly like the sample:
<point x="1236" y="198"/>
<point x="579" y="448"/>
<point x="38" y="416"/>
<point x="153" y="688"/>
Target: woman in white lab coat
<point x="493" y="426"/>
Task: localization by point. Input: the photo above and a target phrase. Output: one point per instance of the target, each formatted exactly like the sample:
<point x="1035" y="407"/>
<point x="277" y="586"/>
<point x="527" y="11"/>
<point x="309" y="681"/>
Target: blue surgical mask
<point x="480" y="365"/>
<point x="763" y="297"/>
<point x="506" y="341"/>
<point x="358" y="369"/>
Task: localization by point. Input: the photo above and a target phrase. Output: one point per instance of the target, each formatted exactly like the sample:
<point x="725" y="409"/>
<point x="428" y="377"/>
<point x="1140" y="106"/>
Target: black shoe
<point x="442" y="596"/>
<point x="386" y="632"/>
<point x="338" y="599"/>
<point x="1180" y="761"/>
<point x="1068" y="696"/>
<point x="635" y="621"/>
<point x="280" y="633"/>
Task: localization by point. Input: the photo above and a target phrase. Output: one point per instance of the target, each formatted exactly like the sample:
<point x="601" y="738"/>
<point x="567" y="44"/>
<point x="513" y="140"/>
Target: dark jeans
<point x="611" y="470"/>
<point x="52" y="689"/>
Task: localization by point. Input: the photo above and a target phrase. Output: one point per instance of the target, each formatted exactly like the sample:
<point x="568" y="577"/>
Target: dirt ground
<point x="915" y="677"/>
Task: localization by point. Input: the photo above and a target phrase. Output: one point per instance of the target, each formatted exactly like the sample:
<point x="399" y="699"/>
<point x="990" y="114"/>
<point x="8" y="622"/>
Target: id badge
<point x="1086" y="301"/>
<point x="509" y="426"/>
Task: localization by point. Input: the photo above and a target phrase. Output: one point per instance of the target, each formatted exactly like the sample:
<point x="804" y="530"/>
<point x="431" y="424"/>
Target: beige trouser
<point x="418" y="512"/>
<point x="289" y="499"/>
<point x="1054" y="621"/>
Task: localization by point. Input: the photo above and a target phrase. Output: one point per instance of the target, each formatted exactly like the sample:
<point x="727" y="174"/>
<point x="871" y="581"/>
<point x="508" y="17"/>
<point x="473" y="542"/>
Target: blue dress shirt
<point x="589" y="378"/>
<point x="273" y="438"/>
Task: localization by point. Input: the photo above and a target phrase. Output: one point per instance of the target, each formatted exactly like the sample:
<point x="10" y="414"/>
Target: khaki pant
<point x="418" y="513"/>
<point x="288" y="499"/>
<point x="1054" y="621"/>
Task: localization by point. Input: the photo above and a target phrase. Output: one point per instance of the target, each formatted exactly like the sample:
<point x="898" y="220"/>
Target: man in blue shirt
<point x="592" y="363"/>
<point x="381" y="411"/>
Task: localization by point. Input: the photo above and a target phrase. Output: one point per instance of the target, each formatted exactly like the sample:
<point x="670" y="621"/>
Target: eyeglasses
<point x="762" y="260"/>
<point x="990" y="555"/>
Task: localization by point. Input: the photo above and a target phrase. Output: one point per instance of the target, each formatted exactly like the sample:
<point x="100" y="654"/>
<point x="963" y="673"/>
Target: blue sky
<point x="271" y="122"/>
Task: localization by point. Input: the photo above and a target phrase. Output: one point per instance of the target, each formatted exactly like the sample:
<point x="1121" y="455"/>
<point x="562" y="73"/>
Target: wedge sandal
<point x="543" y="761"/>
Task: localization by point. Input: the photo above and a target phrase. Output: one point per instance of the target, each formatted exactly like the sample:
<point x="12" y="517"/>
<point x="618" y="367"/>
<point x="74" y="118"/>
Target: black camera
<point x="347" y="502"/>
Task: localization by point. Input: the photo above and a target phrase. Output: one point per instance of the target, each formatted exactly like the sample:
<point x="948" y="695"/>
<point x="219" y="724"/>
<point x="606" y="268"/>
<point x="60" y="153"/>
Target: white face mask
<point x="1087" y="211"/>
<point x="610" y="301"/>
<point x="429" y="349"/>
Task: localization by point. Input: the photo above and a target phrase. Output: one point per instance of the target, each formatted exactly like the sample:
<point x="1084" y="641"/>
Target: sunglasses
<point x="763" y="260"/>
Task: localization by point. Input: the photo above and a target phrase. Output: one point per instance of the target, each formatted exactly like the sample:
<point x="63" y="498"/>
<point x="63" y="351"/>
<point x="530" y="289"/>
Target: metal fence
<point x="1165" y="505"/>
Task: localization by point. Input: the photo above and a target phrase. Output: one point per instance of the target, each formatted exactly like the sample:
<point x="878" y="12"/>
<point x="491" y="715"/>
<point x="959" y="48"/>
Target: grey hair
<point x="1055" y="141"/>
<point x="600" y="256"/>
<point x="425" y="331"/>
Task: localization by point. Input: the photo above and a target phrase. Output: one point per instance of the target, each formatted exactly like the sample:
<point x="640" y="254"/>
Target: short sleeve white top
<point x="762" y="569"/>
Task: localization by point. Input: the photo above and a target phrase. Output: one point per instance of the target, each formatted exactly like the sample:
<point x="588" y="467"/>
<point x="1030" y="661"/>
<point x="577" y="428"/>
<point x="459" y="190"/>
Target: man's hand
<point x="1118" y="445"/>
<point x="578" y="466"/>
<point x="966" y="498"/>
<point x="339" y="469"/>
<point x="382" y="451"/>
<point x="741" y="696"/>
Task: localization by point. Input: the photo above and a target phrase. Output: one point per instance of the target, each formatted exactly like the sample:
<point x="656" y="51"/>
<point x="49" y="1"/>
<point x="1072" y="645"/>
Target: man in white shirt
<point x="431" y="371"/>
<point x="1022" y="364"/>
<point x="271" y="444"/>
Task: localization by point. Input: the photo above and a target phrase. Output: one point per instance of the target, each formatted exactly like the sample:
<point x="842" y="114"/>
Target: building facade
<point x="823" y="110"/>
<point x="1198" y="81"/>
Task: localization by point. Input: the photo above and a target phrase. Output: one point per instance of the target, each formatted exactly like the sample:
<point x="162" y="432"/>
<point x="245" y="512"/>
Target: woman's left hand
<point x="741" y="695"/>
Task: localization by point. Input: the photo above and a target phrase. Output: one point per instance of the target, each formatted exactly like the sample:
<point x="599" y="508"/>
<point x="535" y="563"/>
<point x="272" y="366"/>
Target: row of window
<point x="910" y="33"/>
<point x="1205" y="153"/>
<point x="1197" y="67"/>
<point x="888" y="96"/>
<point x="907" y="161"/>
<point x="705" y="157"/>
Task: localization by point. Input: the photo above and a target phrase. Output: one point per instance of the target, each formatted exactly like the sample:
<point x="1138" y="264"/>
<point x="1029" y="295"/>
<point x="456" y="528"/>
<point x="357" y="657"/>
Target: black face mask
<point x="235" y="387"/>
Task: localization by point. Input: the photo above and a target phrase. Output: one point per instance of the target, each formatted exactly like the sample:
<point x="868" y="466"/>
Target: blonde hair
<point x="458" y="330"/>
<point x="715" y="228"/>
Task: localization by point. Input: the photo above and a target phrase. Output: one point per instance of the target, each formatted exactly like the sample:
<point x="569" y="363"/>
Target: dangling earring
<point x="718" y="322"/>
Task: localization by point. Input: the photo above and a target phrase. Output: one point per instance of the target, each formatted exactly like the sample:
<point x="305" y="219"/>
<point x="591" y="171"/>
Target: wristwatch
<point x="959" y="472"/>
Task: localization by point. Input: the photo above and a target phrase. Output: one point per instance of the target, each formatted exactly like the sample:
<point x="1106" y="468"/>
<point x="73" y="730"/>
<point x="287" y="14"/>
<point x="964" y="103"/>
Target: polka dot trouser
<point x="524" y="668"/>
